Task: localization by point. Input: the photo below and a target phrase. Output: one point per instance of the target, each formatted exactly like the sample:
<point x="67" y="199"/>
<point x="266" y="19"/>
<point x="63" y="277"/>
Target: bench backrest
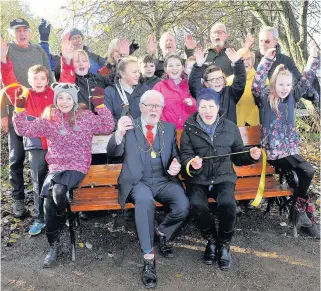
<point x="103" y="175"/>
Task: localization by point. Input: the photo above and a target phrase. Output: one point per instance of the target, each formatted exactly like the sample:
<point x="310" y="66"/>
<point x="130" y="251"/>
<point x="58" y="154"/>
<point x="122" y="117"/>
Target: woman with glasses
<point x="179" y="104"/>
<point x="213" y="77"/>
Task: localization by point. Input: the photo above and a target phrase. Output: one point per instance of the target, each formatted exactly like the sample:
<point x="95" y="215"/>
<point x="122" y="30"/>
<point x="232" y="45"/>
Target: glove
<point x="97" y="98"/>
<point x="44" y="30"/>
<point x="133" y="47"/>
<point x="313" y="96"/>
<point x="20" y="100"/>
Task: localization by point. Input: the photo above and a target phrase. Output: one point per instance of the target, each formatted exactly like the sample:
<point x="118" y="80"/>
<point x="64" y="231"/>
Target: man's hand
<point x="97" y="98"/>
<point x="123" y="48"/>
<point x="44" y="30"/>
<point x="232" y="55"/>
<point x="5" y="123"/>
<point x="124" y="123"/>
<point x="200" y="56"/>
<point x="190" y="43"/>
<point x="255" y="153"/>
<point x="197" y="163"/>
<point x="151" y="45"/>
<point x="270" y="54"/>
<point x="133" y="47"/>
<point x="174" y="168"/>
<point x="3" y="50"/>
<point x="247" y="44"/>
<point x="67" y="49"/>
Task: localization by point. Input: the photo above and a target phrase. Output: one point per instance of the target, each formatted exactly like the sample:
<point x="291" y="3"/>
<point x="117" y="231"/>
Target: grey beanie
<point x="75" y="31"/>
<point x="69" y="88"/>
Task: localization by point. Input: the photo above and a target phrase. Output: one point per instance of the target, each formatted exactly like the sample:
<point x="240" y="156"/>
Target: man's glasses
<point x="152" y="106"/>
<point x="266" y="41"/>
<point x="215" y="80"/>
<point x="219" y="32"/>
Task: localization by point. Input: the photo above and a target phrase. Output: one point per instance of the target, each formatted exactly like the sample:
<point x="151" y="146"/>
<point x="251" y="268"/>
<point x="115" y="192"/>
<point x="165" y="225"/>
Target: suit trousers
<point x="144" y="195"/>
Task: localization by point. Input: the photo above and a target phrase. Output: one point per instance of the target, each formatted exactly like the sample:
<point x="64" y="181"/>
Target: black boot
<point x="224" y="255"/>
<point x="149" y="274"/>
<point x="53" y="239"/>
<point x="301" y="217"/>
<point x="210" y="252"/>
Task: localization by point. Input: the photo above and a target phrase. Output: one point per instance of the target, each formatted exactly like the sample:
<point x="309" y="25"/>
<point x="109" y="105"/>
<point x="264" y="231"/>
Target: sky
<point x="48" y="9"/>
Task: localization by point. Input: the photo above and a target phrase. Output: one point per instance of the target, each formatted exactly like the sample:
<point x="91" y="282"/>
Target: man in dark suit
<point x="150" y="168"/>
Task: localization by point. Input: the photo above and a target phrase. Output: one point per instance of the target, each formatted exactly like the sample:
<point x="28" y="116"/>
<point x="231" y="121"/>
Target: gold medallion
<point x="153" y="154"/>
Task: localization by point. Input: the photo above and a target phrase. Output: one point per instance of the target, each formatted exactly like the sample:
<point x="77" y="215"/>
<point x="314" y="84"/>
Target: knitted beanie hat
<point x="69" y="88"/>
<point x="75" y="31"/>
<point x="72" y="90"/>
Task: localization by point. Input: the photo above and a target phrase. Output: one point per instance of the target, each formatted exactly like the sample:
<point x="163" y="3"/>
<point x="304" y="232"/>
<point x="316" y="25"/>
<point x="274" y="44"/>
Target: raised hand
<point x="313" y="49"/>
<point x="255" y="153"/>
<point x="249" y="40"/>
<point x="197" y="163"/>
<point x="190" y="43"/>
<point x="232" y="55"/>
<point x="124" y="47"/>
<point x="97" y="98"/>
<point x="200" y="56"/>
<point x="44" y="30"/>
<point x="174" y="168"/>
<point x="151" y="45"/>
<point x="124" y="123"/>
<point x="3" y="50"/>
<point x="133" y="47"/>
<point x="67" y="49"/>
<point x="270" y="53"/>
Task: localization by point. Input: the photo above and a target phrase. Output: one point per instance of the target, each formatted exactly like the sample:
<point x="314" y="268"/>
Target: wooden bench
<point x="98" y="190"/>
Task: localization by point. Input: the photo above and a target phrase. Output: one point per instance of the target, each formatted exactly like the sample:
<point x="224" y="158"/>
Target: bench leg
<point x="71" y="231"/>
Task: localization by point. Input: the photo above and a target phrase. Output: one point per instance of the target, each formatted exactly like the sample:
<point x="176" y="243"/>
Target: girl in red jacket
<point x="40" y="95"/>
<point x="179" y="104"/>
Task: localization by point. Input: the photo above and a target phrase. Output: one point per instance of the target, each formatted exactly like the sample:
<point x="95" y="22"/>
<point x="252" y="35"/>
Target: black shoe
<point x="312" y="231"/>
<point x="165" y="249"/>
<point x="149" y="274"/>
<point x="51" y="256"/>
<point x="210" y="253"/>
<point x="224" y="257"/>
<point x="83" y="215"/>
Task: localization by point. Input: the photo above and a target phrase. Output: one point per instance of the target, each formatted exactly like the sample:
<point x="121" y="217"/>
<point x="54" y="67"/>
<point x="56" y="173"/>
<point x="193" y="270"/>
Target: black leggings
<point x="303" y="169"/>
<point x="55" y="211"/>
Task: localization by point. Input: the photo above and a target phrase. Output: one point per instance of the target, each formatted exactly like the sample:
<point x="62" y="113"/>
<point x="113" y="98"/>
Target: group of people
<point x="142" y="102"/>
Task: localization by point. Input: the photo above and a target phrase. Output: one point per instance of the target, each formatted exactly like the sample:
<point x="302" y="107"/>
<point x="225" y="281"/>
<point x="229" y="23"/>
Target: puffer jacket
<point x="71" y="151"/>
<point x="114" y="102"/>
<point x="226" y="139"/>
<point x="175" y="110"/>
<point x="230" y="95"/>
<point x="85" y="83"/>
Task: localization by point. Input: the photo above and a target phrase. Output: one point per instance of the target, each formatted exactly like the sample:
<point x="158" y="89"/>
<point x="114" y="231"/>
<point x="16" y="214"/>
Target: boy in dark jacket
<point x="214" y="78"/>
<point x="209" y="133"/>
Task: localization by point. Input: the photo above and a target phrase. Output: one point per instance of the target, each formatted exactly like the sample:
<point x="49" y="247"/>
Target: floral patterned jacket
<point x="278" y="135"/>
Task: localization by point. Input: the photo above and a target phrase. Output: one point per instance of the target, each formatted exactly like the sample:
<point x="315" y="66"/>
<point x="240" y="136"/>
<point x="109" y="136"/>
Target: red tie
<point x="149" y="134"/>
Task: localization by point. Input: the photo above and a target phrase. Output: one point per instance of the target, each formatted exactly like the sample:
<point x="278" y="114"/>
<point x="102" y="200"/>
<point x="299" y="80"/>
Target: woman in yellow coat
<point x="247" y="113"/>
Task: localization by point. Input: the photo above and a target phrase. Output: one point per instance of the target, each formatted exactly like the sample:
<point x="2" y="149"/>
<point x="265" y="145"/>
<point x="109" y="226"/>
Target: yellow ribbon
<point x="25" y="93"/>
<point x="260" y="190"/>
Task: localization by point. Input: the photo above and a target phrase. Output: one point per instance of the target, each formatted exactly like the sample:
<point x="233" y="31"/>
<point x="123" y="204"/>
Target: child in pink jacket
<point x="179" y="104"/>
<point x="69" y="131"/>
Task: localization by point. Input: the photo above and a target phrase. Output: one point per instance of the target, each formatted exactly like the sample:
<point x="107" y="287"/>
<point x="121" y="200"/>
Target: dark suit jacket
<point x="134" y="159"/>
